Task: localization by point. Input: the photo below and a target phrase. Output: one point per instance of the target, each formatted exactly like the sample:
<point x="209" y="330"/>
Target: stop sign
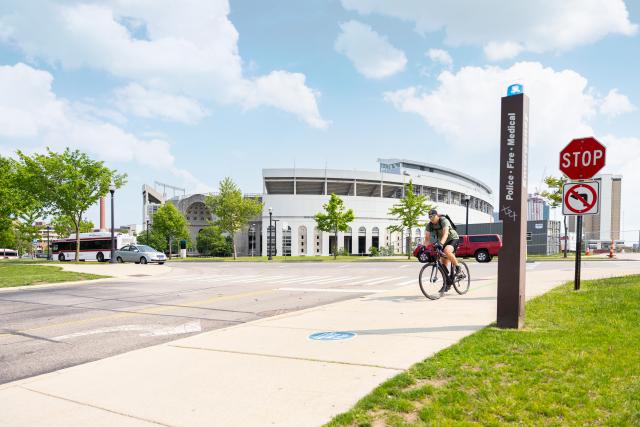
<point x="582" y="158"/>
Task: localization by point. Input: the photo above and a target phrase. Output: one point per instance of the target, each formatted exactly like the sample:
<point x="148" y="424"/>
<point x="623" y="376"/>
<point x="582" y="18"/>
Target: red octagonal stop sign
<point x="582" y="158"/>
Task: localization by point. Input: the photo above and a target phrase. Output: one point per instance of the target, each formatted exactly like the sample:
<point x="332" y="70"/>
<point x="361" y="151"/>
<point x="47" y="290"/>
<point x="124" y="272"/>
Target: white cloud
<point x="504" y="50"/>
<point x="615" y="104"/>
<point x="143" y="102"/>
<point x="181" y="49"/>
<point x="505" y="28"/>
<point x="32" y="117"/>
<point x="441" y="56"/>
<point x="372" y="55"/>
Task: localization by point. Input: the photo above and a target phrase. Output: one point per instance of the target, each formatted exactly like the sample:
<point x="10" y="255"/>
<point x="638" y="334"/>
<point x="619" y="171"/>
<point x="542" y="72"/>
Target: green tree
<point x="7" y="238"/>
<point x="68" y="183"/>
<point x="169" y="223"/>
<point x="554" y="196"/>
<point x="8" y="193"/>
<point x="156" y="240"/>
<point x="334" y="218"/>
<point x="212" y="242"/>
<point x="231" y="210"/>
<point x="408" y="212"/>
<point x="63" y="226"/>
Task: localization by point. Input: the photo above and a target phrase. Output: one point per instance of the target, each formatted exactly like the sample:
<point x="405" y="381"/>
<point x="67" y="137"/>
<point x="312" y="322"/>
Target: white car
<point x="140" y="254"/>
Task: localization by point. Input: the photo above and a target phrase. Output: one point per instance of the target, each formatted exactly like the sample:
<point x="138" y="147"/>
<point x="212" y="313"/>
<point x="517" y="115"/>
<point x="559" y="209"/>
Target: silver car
<point x="140" y="254"/>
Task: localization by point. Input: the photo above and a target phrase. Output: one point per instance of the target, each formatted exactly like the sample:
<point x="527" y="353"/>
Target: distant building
<point x="536" y="208"/>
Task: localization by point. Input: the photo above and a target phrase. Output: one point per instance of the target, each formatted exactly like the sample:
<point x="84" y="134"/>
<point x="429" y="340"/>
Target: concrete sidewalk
<point x="267" y="372"/>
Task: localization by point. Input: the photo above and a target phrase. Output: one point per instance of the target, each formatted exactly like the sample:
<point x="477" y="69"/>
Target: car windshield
<point x="145" y="248"/>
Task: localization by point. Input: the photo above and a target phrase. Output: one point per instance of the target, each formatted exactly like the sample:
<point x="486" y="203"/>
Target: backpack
<point x="424" y="253"/>
<point x="453" y="225"/>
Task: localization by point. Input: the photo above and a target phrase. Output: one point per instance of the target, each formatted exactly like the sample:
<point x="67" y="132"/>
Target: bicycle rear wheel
<point x="463" y="281"/>
<point x="432" y="280"/>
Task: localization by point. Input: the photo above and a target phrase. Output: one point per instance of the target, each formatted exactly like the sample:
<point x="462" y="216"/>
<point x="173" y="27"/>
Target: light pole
<point x="252" y="240"/>
<point x="467" y="198"/>
<point x="148" y="233"/>
<point x="269" y="241"/>
<point x="112" y="189"/>
<point x="275" y="236"/>
<point x="48" y="243"/>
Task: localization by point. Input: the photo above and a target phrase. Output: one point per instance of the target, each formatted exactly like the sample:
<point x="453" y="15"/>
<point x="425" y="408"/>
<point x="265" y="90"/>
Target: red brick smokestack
<point x="102" y="215"/>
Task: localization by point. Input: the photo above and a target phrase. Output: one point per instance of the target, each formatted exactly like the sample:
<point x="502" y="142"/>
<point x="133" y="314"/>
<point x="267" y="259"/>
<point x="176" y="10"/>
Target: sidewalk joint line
<point x="95" y="406"/>
<point x="306" y="359"/>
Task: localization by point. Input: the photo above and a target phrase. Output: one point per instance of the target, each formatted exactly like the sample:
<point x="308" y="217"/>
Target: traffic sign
<point x="582" y="158"/>
<point x="581" y="198"/>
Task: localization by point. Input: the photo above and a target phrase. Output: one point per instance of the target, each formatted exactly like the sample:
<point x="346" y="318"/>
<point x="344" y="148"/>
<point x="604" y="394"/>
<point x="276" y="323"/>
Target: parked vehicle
<point x="482" y="247"/>
<point x="8" y="253"/>
<point x="93" y="246"/>
<point x="140" y="254"/>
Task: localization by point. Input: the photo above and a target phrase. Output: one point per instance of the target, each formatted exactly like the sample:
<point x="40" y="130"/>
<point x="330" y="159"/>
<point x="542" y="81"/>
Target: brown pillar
<point x="514" y="138"/>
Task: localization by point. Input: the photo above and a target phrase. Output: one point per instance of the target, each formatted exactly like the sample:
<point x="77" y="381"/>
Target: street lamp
<point x="148" y="233"/>
<point x="269" y="241"/>
<point x="467" y="198"/>
<point x="112" y="189"/>
<point x="252" y="239"/>
<point x="48" y="243"/>
<point x="275" y="236"/>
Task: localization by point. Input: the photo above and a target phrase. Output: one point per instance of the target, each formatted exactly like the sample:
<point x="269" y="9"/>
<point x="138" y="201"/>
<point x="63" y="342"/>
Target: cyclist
<point x="447" y="240"/>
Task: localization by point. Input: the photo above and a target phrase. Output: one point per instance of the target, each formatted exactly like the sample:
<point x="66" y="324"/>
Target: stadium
<point x="294" y="196"/>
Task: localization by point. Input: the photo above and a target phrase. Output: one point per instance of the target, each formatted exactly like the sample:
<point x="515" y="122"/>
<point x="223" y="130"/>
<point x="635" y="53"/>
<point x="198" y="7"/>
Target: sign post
<point x="581" y="159"/>
<point x="514" y="139"/>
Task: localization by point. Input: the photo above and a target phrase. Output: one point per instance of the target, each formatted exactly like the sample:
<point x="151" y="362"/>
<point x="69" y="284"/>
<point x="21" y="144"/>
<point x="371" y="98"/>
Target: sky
<point x="190" y="92"/>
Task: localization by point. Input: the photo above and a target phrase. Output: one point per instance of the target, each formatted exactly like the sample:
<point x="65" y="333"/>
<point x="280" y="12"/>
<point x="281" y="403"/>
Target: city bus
<point x="93" y="246"/>
<point x="8" y="253"/>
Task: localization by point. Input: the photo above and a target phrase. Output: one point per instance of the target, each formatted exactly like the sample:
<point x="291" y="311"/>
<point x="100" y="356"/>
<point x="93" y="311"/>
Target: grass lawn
<point x="577" y="363"/>
<point x="20" y="274"/>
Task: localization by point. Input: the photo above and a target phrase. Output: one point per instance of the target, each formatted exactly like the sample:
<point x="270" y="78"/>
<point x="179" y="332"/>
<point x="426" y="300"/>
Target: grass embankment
<point x="576" y="363"/>
<point x="19" y="274"/>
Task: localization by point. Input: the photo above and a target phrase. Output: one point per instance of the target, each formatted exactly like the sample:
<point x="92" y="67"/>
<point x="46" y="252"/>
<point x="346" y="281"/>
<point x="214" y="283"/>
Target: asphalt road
<point x="50" y="328"/>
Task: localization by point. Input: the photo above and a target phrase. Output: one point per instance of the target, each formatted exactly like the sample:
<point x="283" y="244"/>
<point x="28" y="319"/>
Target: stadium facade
<point x="294" y="196"/>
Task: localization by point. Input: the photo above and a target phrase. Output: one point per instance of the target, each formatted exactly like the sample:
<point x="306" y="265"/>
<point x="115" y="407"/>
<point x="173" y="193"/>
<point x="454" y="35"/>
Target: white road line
<point x="374" y="280"/>
<point x="408" y="282"/>
<point x="346" y="291"/>
<point x="298" y="279"/>
<point x="149" y="330"/>
<point x="329" y="280"/>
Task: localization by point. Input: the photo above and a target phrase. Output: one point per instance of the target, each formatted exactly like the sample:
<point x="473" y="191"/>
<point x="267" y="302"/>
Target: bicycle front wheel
<point x="432" y="281"/>
<point x="463" y="280"/>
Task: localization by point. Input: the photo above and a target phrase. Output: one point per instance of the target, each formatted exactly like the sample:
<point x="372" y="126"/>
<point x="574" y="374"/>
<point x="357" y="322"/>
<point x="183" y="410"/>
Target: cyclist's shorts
<point x="454" y="243"/>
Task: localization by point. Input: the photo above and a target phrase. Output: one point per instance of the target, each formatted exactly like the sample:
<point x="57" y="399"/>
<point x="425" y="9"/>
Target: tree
<point x="554" y="196"/>
<point x="169" y="223"/>
<point x="408" y="211"/>
<point x="156" y="240"/>
<point x="8" y="193"/>
<point x="212" y="242"/>
<point x="335" y="218"/>
<point x="231" y="210"/>
<point x="63" y="226"/>
<point x="69" y="183"/>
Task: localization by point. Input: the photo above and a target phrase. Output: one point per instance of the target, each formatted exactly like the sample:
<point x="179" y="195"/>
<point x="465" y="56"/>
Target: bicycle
<point x="435" y="280"/>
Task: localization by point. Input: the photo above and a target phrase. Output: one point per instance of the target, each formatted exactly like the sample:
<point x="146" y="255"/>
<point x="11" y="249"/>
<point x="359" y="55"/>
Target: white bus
<point x="8" y="253"/>
<point x="93" y="246"/>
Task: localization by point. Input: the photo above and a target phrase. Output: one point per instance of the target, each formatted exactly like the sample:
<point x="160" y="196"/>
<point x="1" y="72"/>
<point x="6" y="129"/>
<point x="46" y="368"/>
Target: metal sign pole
<point x="576" y="280"/>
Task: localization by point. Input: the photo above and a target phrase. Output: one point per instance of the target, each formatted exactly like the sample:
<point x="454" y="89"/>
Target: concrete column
<point x="264" y="235"/>
<point x="311" y="240"/>
<point x="279" y="238"/>
<point x="355" y="238"/>
<point x="369" y="239"/>
<point x="325" y="243"/>
<point x="295" y="249"/>
<point x="340" y="241"/>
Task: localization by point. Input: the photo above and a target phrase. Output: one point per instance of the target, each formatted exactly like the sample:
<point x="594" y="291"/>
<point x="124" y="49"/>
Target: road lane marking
<point x="149" y="330"/>
<point x="348" y="291"/>
<point x="150" y="310"/>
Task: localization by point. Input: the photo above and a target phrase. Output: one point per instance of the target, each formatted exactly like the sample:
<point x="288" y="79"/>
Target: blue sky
<point x="190" y="92"/>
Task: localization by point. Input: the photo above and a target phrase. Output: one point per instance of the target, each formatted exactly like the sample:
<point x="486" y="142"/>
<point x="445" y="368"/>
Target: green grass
<point x="340" y="258"/>
<point x="19" y="274"/>
<point x="576" y="363"/>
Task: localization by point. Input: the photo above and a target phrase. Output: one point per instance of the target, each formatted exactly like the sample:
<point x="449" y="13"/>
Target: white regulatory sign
<point x="581" y="198"/>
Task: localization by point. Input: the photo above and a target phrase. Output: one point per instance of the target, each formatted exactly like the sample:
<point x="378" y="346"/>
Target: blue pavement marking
<point x="332" y="336"/>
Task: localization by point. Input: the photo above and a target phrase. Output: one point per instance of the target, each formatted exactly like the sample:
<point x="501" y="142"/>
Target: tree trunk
<point x="170" y="244"/>
<point x="233" y="240"/>
<point x="335" y="249"/>
<point x="410" y="242"/>
<point x="78" y="240"/>
<point x="566" y="241"/>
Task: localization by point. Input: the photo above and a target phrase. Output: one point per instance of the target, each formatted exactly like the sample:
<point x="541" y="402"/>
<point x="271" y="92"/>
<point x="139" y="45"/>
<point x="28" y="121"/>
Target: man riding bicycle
<point x="447" y="239"/>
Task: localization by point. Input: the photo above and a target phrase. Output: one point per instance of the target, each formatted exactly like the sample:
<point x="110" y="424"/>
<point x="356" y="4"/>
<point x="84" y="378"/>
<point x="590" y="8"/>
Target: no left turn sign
<point x="581" y="198"/>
